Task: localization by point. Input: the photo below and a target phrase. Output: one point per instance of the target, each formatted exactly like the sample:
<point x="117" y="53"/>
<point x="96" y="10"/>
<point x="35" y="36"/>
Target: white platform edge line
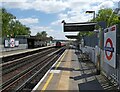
<point x="36" y="87"/>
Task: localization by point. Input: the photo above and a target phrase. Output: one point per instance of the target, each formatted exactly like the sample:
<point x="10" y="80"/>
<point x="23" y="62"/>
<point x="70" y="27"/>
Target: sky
<point x="46" y="15"/>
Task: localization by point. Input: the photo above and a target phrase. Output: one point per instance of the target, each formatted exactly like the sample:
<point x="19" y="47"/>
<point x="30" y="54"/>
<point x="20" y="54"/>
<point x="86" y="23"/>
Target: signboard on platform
<point x="16" y="43"/>
<point x="76" y="27"/>
<point x="11" y="43"/>
<point x="110" y="46"/>
<point x="6" y="43"/>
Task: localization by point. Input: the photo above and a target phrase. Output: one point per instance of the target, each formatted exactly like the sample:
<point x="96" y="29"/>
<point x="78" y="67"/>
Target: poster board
<point x="6" y="43"/>
<point x="16" y="43"/>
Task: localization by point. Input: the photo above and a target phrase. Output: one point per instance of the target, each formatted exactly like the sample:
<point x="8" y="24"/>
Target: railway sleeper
<point x="17" y="76"/>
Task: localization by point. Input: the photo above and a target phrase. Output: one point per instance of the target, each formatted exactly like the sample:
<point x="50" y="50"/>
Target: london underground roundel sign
<point x="12" y="42"/>
<point x="109" y="49"/>
<point x="110" y="46"/>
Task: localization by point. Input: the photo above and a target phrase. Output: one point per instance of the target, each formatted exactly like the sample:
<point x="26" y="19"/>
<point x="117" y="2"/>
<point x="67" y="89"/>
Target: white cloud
<point x="76" y="17"/>
<point x="27" y="21"/>
<point x="48" y="6"/>
<point x="78" y="8"/>
<point x="19" y="5"/>
<point x="13" y="1"/>
<point x="57" y="34"/>
<point x="55" y="6"/>
<point x="68" y="10"/>
<point x="35" y="29"/>
<point x="106" y="4"/>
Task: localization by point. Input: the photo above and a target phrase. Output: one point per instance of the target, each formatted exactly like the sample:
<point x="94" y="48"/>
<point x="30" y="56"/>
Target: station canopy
<point x="71" y="36"/>
<point x="76" y="27"/>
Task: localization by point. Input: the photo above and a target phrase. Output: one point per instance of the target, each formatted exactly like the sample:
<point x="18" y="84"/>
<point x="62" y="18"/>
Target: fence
<point x="91" y="42"/>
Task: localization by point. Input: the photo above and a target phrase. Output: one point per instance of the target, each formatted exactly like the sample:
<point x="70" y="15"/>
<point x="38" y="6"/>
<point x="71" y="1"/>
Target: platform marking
<point x="55" y="71"/>
<point x="24" y="51"/>
<point x="37" y="86"/>
<point x="65" y="75"/>
<point x="51" y="75"/>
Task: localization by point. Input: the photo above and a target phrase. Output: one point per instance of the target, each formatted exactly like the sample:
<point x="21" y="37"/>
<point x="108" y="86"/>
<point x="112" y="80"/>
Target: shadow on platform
<point x="82" y="76"/>
<point x="91" y="85"/>
<point x="63" y="69"/>
<point x="84" y="69"/>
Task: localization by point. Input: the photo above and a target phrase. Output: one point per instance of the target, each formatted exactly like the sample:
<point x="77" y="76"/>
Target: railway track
<point x="22" y="73"/>
<point x="13" y="65"/>
<point x="20" y="55"/>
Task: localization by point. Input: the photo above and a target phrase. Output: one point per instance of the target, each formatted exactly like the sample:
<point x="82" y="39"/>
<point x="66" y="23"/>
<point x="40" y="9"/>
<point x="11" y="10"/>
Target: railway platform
<point x="14" y="52"/>
<point x="69" y="73"/>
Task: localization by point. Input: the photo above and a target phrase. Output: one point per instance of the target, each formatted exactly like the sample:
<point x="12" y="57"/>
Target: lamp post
<point x="93" y="14"/>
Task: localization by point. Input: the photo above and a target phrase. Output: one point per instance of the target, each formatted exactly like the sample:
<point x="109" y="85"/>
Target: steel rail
<point x="37" y="73"/>
<point x="22" y="54"/>
<point x="19" y="74"/>
<point x="12" y="81"/>
<point x="21" y="62"/>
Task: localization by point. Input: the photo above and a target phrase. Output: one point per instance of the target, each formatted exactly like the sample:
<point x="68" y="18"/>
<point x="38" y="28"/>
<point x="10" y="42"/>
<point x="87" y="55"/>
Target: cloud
<point x="57" y="34"/>
<point x="35" y="29"/>
<point x="50" y="6"/>
<point x="68" y="10"/>
<point x="106" y="4"/>
<point x="27" y="21"/>
<point x="13" y="1"/>
<point x="56" y="6"/>
<point x="47" y="6"/>
<point x="19" y="5"/>
<point x="78" y="8"/>
<point x="72" y="17"/>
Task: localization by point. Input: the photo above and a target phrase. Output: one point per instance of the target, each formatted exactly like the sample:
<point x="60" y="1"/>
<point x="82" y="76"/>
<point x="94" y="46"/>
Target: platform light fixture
<point x="92" y="12"/>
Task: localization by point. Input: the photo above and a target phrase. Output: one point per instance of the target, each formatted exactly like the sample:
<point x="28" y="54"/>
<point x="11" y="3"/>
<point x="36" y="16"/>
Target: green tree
<point x="6" y="18"/>
<point x="12" y="26"/>
<point x="51" y="38"/>
<point x="108" y="16"/>
<point x="38" y="34"/>
<point x="42" y="34"/>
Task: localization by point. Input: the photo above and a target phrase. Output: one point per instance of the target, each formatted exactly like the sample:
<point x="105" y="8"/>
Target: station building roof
<point x="76" y="27"/>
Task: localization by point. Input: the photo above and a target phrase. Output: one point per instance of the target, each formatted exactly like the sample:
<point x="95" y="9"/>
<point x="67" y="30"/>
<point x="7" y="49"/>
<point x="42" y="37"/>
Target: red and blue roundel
<point x="109" y="49"/>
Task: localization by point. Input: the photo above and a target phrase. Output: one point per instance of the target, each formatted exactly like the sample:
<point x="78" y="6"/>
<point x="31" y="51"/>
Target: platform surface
<point x="71" y="74"/>
<point x="13" y="52"/>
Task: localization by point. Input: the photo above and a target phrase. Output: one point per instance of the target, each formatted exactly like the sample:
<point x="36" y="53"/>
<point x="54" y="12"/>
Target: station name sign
<point x="110" y="49"/>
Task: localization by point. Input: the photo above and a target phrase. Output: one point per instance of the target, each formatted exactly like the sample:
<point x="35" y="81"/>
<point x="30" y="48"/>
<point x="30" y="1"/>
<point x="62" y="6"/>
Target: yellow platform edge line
<point x="51" y="75"/>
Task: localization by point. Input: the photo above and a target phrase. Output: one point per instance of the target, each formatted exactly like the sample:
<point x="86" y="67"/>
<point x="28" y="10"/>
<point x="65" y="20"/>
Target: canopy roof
<point x="71" y="36"/>
<point x="76" y="27"/>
